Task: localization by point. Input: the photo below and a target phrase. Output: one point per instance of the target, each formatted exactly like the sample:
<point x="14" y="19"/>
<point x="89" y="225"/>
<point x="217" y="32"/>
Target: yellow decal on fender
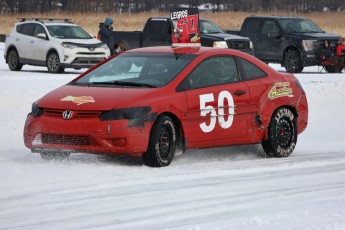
<point x="280" y="89"/>
<point x="79" y="100"/>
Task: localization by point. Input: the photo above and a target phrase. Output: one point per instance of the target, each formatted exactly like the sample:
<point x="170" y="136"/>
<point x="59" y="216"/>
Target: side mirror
<point x="274" y="34"/>
<point x="42" y="36"/>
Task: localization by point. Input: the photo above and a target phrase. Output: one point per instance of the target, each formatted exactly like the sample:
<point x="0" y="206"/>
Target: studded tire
<point x="282" y="134"/>
<point x="162" y="143"/>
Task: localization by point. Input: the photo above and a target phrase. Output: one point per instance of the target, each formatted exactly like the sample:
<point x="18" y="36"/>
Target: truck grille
<point x="238" y="44"/>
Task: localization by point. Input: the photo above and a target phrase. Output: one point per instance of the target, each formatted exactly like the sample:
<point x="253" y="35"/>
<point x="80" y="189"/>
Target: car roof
<point x="197" y="50"/>
<point x="276" y="17"/>
<point x="46" y="21"/>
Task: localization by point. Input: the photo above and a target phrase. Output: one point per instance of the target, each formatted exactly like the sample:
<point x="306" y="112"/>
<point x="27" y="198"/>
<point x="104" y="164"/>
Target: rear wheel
<point x="162" y="143"/>
<point x="54" y="156"/>
<point x="292" y="61"/>
<point x="53" y="63"/>
<point x="282" y="134"/>
<point x="13" y="61"/>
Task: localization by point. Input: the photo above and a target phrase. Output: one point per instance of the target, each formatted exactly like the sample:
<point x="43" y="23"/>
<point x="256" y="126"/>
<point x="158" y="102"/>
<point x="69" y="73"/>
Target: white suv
<point x="54" y="43"/>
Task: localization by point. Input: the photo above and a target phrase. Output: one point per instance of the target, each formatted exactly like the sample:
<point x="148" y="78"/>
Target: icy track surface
<point x="218" y="188"/>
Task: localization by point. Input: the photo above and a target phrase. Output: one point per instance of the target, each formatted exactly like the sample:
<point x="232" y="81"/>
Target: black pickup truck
<point x="157" y="32"/>
<point x="294" y="42"/>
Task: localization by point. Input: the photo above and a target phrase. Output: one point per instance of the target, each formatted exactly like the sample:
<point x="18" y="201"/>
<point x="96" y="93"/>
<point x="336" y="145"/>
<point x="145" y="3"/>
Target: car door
<point x="268" y="41"/>
<point x="217" y="102"/>
<point x="39" y="45"/>
<point x="24" y="41"/>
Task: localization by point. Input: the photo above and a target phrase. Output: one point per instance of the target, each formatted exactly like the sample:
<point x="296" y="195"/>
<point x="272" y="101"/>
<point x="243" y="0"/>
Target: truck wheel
<point x="282" y="134"/>
<point x="13" y="61"/>
<point x="162" y="143"/>
<point x="292" y="62"/>
<point x="53" y="63"/>
<point x="54" y="156"/>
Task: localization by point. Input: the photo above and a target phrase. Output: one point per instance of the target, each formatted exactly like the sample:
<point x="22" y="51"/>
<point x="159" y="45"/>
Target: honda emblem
<point x="68" y="114"/>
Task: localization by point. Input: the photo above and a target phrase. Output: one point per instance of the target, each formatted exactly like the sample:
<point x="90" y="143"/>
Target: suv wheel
<point x="13" y="61"/>
<point x="53" y="63"/>
<point x="292" y="62"/>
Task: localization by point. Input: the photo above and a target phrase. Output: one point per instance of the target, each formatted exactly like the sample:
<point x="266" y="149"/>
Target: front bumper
<point x="83" y="57"/>
<point x="89" y="135"/>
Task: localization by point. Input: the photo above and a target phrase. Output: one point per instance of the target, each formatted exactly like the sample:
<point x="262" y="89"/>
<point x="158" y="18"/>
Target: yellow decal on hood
<point x="280" y="89"/>
<point x="79" y="100"/>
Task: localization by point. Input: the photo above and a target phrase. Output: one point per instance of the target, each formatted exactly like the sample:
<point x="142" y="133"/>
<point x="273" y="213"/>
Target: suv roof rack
<point x="67" y="20"/>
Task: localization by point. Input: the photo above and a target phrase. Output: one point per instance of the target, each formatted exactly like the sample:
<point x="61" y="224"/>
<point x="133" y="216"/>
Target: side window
<point x="269" y="27"/>
<point x="251" y="26"/>
<point x="211" y="72"/>
<point x="39" y="30"/>
<point x="251" y="71"/>
<point x="28" y="29"/>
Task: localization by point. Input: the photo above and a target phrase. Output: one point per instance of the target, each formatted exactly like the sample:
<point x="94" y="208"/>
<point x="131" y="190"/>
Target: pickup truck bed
<point x="157" y="32"/>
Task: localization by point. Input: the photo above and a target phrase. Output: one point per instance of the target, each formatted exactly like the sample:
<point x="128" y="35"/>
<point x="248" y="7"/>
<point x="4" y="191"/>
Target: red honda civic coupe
<point x="152" y="102"/>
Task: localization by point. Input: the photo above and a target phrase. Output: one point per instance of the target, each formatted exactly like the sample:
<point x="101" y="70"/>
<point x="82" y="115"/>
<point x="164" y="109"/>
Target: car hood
<point x="222" y="37"/>
<point x="317" y="36"/>
<point x="92" y="98"/>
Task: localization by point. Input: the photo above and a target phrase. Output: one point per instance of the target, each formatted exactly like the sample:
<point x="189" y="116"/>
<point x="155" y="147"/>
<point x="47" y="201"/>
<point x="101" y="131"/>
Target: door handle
<point x="240" y="92"/>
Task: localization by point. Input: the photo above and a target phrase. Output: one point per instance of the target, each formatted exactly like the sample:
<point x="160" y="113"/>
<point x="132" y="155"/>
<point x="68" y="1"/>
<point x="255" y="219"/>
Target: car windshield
<point x="296" y="25"/>
<point x="138" y="70"/>
<point x="68" y="32"/>
<point x="208" y="27"/>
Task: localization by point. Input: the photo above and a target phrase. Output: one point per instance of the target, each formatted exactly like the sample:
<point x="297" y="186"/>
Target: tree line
<point x="136" y="6"/>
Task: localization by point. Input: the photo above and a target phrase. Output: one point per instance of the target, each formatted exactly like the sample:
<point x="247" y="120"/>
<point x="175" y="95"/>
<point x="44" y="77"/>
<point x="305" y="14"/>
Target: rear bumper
<point x="302" y="108"/>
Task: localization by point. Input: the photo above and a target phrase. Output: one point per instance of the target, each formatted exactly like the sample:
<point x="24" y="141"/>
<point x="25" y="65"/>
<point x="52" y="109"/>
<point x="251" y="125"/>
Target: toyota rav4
<point x="54" y="43"/>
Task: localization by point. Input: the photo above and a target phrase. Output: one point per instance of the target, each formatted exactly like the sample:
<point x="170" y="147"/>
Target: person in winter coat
<point x="327" y="51"/>
<point x="106" y="34"/>
<point x="341" y="47"/>
<point x="341" y="53"/>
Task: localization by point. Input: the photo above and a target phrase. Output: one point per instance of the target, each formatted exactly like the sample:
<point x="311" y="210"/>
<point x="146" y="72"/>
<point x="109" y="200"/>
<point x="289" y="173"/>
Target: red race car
<point x="151" y="102"/>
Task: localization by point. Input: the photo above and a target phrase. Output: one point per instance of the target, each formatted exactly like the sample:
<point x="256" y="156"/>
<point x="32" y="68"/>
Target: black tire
<point x="53" y="63"/>
<point x="282" y="134"/>
<point x="292" y="61"/>
<point x="54" y="156"/>
<point x="162" y="143"/>
<point x="13" y="61"/>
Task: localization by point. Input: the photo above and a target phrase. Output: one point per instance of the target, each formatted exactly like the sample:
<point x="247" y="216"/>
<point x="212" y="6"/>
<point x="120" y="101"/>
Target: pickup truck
<point x="293" y="42"/>
<point x="157" y="32"/>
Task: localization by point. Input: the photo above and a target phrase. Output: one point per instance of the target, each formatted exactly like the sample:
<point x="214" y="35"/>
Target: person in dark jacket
<point x="106" y="34"/>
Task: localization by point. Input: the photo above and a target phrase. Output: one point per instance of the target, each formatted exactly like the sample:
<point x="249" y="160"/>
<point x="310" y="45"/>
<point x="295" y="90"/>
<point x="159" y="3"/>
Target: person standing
<point x="106" y="34"/>
<point x="340" y="54"/>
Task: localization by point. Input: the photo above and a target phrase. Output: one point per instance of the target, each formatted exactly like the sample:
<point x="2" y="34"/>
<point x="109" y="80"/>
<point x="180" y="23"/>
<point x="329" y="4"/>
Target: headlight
<point x="220" y="44"/>
<point x="308" y="44"/>
<point x="68" y="46"/>
<point x="104" y="46"/>
<point x="251" y="45"/>
<point x="36" y="111"/>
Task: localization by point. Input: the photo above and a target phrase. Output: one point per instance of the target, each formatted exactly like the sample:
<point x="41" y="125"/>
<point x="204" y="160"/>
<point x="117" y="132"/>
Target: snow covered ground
<point x="219" y="188"/>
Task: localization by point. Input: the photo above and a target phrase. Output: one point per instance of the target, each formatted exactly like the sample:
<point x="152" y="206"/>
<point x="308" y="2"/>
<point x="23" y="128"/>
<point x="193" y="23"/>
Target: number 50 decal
<point x="224" y="119"/>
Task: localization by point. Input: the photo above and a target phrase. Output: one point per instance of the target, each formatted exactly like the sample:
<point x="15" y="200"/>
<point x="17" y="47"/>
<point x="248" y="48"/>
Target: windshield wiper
<point x="125" y="83"/>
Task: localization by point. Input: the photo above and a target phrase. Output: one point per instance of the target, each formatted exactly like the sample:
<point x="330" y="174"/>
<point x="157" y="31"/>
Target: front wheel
<point x="13" y="61"/>
<point x="282" y="134"/>
<point x="53" y="63"/>
<point x="162" y="143"/>
<point x="292" y="61"/>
